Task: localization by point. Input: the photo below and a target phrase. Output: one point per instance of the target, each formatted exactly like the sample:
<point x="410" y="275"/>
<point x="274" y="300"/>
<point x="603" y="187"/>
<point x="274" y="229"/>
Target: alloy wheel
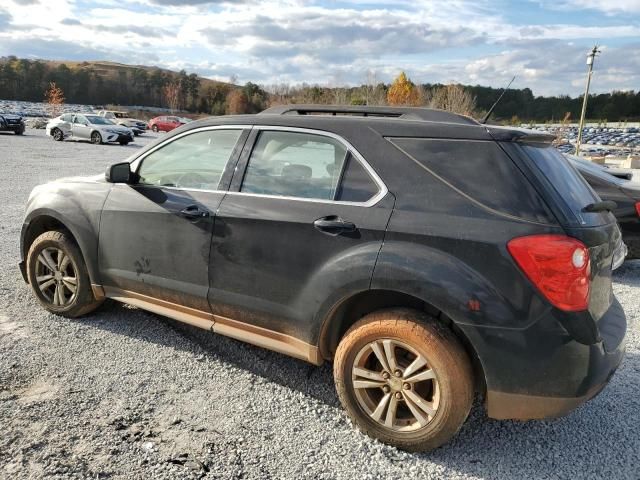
<point x="56" y="276"/>
<point x="395" y="386"/>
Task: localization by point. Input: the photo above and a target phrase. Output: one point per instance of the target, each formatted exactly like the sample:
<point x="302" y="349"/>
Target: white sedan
<point x="94" y="128"/>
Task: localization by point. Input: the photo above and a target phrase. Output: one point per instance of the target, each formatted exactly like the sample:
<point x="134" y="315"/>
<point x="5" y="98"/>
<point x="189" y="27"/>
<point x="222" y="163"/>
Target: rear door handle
<point x="334" y="225"/>
<point x="194" y="212"/>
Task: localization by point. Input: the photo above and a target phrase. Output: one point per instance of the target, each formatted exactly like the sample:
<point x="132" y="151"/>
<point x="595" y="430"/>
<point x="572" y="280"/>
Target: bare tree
<point x="452" y="97"/>
<point x="171" y="93"/>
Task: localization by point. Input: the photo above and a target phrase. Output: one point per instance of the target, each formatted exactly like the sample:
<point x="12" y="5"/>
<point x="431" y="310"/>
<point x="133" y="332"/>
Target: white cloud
<point x="299" y="41"/>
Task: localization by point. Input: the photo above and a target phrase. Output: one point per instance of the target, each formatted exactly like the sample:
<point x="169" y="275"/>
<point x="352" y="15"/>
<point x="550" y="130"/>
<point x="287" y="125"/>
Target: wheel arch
<point x="41" y="222"/>
<point x="351" y="309"/>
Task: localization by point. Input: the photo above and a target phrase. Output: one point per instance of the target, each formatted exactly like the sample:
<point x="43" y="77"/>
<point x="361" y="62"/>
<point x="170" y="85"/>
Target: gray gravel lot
<point x="128" y="394"/>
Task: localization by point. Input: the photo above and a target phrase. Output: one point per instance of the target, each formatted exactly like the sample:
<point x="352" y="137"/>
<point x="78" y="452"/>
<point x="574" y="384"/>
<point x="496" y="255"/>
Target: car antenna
<point x="486" y="117"/>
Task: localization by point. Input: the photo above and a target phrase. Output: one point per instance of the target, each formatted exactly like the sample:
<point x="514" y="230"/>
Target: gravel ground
<point x="128" y="394"/>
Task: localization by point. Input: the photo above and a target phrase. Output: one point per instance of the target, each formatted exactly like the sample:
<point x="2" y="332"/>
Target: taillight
<point x="559" y="266"/>
<point x="638" y="208"/>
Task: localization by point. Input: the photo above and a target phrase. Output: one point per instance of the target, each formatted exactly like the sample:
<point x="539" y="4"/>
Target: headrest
<point x="297" y="171"/>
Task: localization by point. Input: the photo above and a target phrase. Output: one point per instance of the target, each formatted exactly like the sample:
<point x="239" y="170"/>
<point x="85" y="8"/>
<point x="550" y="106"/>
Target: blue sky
<point x="543" y="42"/>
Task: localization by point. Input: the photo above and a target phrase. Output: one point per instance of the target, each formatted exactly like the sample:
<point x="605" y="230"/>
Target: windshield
<point x="97" y="120"/>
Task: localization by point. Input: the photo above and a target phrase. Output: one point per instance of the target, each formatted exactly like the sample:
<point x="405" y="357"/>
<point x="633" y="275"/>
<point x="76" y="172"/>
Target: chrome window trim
<point x="382" y="188"/>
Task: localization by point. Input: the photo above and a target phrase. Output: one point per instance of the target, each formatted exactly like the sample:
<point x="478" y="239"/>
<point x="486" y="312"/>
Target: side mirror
<point x="118" y="173"/>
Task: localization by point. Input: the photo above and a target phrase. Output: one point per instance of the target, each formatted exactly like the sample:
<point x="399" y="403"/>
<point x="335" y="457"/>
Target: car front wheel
<point x="96" y="138"/>
<point x="57" y="134"/>
<point x="404" y="379"/>
<point x="58" y="275"/>
<point x="155" y="128"/>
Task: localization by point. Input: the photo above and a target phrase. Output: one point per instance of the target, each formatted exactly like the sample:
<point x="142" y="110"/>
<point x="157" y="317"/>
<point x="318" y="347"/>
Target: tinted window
<point x="193" y="161"/>
<point x="356" y="184"/>
<point x="564" y="178"/>
<point x="294" y="165"/>
<point x="480" y="170"/>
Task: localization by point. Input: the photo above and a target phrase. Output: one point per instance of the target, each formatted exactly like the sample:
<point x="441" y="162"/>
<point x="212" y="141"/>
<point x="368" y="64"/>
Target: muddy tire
<point x="404" y="379"/>
<point x="58" y="275"/>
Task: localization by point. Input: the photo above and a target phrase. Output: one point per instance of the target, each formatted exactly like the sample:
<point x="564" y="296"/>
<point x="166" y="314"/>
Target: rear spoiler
<point x="520" y="135"/>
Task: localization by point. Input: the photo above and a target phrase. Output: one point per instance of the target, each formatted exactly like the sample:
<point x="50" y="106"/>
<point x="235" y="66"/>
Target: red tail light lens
<point x="638" y="208"/>
<point x="559" y="266"/>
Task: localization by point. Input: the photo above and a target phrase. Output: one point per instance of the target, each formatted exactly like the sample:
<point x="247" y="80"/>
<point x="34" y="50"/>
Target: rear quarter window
<point x="569" y="185"/>
<point x="482" y="171"/>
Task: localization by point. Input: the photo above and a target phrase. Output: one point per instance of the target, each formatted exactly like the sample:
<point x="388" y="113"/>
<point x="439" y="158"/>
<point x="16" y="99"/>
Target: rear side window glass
<point x="480" y="170"/>
<point x="293" y="164"/>
<point x="564" y="178"/>
<point x="356" y="184"/>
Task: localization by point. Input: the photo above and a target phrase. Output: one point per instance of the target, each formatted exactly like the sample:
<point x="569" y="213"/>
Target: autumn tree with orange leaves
<point x="403" y="92"/>
<point x="54" y="98"/>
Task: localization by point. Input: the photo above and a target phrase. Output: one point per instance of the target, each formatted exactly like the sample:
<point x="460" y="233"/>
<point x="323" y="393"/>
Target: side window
<point x="294" y="164"/>
<point x="356" y="184"/>
<point x="193" y="161"/>
<point x="67" y="117"/>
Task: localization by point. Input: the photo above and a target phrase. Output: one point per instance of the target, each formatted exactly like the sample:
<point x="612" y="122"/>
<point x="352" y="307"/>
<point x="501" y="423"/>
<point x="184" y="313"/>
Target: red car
<point x="166" y="123"/>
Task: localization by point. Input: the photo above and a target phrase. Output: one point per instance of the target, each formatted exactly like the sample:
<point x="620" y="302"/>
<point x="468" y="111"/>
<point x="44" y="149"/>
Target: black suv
<point x="428" y="256"/>
<point x="11" y="123"/>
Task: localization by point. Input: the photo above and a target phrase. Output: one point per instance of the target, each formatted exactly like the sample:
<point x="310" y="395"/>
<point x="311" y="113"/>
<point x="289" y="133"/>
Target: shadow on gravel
<point x="628" y="274"/>
<point x="588" y="440"/>
<point x="599" y="437"/>
<point x="316" y="382"/>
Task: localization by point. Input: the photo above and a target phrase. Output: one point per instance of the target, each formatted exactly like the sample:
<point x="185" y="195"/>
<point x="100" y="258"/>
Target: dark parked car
<point x="626" y="194"/>
<point x="426" y="255"/>
<point x="11" y="123"/>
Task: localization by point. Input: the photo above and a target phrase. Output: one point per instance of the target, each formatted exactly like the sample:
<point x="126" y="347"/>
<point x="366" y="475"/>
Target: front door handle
<point x="334" y="225"/>
<point x="194" y="212"/>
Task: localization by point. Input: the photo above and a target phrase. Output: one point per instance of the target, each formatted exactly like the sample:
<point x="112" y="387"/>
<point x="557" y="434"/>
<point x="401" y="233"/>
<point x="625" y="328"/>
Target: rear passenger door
<point x="301" y="227"/>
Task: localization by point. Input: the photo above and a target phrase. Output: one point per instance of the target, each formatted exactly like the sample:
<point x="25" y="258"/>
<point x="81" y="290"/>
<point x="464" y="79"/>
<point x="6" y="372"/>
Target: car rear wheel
<point x="96" y="138"/>
<point x="58" y="275"/>
<point x="155" y="128"/>
<point x="57" y="134"/>
<point x="404" y="379"/>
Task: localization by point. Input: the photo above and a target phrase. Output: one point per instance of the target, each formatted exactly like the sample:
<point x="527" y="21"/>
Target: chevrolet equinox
<point x="428" y="256"/>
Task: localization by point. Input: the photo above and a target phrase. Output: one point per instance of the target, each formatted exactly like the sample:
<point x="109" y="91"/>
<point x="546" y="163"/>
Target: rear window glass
<point x="480" y="170"/>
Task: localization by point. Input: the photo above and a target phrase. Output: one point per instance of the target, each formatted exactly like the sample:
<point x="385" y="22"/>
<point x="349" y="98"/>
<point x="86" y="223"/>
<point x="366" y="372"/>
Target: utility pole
<point x="590" y="60"/>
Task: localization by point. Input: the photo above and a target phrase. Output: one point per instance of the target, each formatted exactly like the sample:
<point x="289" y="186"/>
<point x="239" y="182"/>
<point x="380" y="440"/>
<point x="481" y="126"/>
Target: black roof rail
<point x="407" y="113"/>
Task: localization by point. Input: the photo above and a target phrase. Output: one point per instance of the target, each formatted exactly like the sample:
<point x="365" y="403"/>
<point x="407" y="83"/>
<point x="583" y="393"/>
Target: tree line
<point x="88" y="83"/>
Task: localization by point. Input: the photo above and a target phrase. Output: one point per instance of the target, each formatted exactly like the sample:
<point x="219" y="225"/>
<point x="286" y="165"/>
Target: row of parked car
<point x="601" y="140"/>
<point x="104" y="126"/>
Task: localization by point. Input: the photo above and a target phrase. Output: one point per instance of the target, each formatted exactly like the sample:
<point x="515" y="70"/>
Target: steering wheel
<point x="189" y="179"/>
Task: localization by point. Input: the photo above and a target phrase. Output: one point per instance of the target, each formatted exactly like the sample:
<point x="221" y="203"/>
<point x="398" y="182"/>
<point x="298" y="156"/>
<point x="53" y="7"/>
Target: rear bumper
<point x="550" y="374"/>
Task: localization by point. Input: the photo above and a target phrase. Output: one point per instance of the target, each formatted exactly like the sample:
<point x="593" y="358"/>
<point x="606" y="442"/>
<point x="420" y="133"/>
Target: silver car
<point x="90" y="127"/>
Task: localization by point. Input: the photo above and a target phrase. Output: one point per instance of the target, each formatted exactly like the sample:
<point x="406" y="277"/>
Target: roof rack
<point x="407" y="113"/>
